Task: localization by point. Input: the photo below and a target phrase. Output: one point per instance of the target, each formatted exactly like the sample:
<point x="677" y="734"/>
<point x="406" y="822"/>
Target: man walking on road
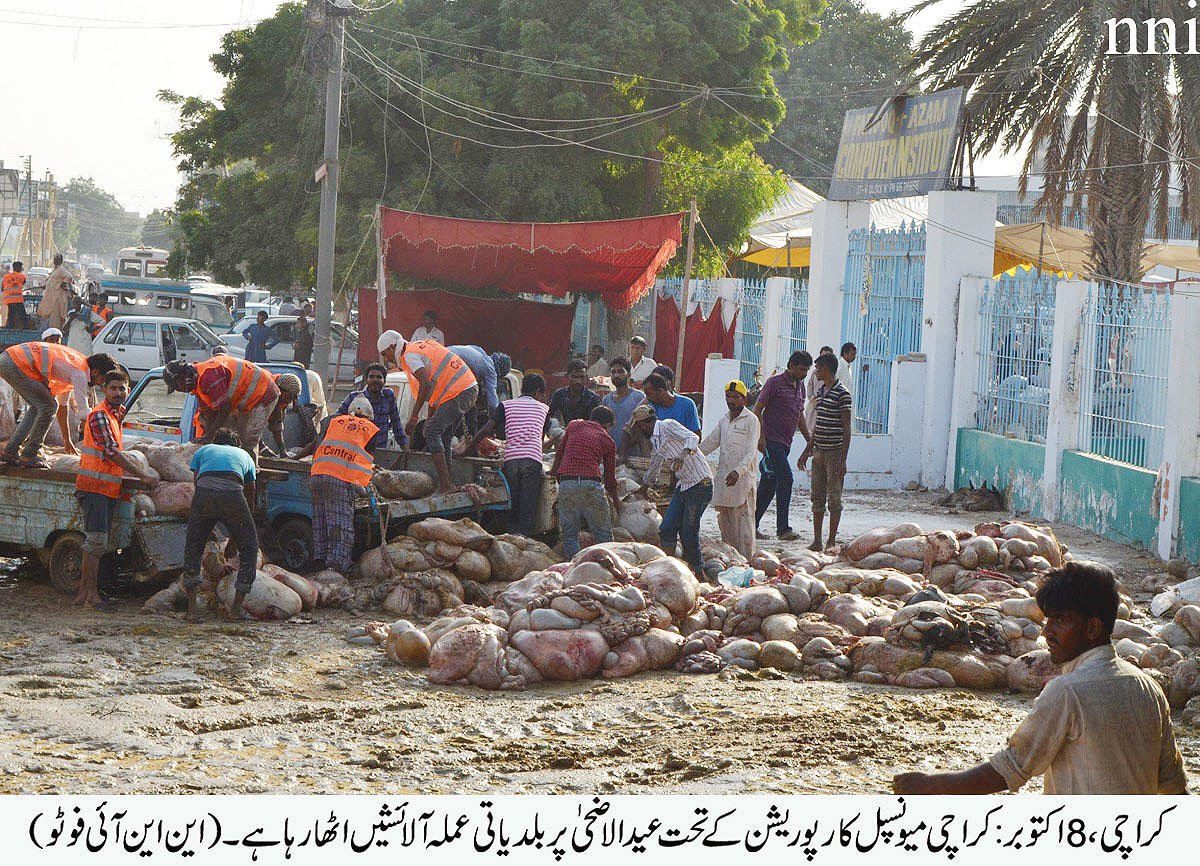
<point x="829" y="445"/>
<point x="734" y="487"/>
<point x="780" y="410"/>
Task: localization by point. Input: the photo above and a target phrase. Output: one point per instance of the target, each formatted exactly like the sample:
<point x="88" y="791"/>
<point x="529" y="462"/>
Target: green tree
<point x="858" y="60"/>
<point x="1116" y="131"/>
<point x="159" y="229"/>
<point x="451" y="108"/>
<point x="102" y="225"/>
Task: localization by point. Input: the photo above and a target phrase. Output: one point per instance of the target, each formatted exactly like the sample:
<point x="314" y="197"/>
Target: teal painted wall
<point x="1012" y="465"/>
<point x="1109" y="498"/>
<point x="1189" y="519"/>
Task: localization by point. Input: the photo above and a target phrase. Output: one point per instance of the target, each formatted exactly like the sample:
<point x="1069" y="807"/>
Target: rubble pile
<point x="900" y="606"/>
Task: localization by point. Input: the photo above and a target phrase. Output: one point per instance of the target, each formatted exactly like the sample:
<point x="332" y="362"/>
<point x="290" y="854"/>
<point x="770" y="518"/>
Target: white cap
<point x="361" y="406"/>
<point x="51" y="332"/>
<point x="389" y="339"/>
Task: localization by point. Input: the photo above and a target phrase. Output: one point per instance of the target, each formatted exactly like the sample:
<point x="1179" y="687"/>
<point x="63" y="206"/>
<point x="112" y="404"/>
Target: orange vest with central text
<point x="36" y="360"/>
<point x="343" y="453"/>
<point x="14" y="283"/>
<point x="248" y="382"/>
<point x="98" y="474"/>
<point x="449" y="373"/>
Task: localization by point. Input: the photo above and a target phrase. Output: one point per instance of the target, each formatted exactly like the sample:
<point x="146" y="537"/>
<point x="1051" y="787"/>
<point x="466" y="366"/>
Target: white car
<point x="36" y="278"/>
<point x="283" y="329"/>
<point x="141" y="343"/>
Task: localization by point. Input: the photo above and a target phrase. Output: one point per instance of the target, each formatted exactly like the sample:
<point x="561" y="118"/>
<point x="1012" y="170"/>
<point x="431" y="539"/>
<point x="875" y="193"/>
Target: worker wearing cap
<point x="735" y="487"/>
<point x="227" y="387"/>
<point x="439" y="377"/>
<point x="39" y="372"/>
<point x="342" y="466"/>
<point x="52" y="335"/>
<point x="289" y="386"/>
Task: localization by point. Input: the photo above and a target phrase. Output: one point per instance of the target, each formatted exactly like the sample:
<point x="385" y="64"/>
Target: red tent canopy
<point x="618" y="259"/>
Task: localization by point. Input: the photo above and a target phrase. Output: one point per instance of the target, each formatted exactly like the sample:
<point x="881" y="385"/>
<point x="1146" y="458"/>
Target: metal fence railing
<point x="751" y="307"/>
<point x="882" y="301"/>
<point x="1016" y="334"/>
<point x="1124" y="362"/>
<point x="793" y="331"/>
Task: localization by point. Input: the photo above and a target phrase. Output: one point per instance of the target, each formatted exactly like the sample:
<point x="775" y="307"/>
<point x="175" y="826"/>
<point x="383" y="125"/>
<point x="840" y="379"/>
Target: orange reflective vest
<point x="343" y="453"/>
<point x="104" y="314"/>
<point x="14" y="284"/>
<point x="36" y="361"/>
<point x="248" y="382"/>
<point x="98" y="474"/>
<point x="449" y="373"/>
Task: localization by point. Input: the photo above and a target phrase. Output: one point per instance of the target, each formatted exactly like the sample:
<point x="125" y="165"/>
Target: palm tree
<point x="1116" y="131"/>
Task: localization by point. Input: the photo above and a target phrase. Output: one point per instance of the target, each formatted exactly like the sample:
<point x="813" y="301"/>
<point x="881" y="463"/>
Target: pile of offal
<point x="898" y="606"/>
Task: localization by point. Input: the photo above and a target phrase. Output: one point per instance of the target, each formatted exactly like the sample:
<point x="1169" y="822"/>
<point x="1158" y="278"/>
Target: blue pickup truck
<point x="287" y="513"/>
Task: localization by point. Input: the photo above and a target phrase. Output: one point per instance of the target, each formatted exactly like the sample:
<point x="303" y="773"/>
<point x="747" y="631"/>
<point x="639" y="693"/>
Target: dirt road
<point x="134" y="703"/>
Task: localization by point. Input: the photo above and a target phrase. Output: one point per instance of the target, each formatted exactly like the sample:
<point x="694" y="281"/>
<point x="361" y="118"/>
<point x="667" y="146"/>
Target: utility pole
<point x="693" y="215"/>
<point x="29" y="216"/>
<point x="331" y="16"/>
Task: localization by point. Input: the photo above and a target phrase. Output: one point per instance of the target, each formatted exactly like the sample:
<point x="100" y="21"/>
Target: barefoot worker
<point x="224" y="473"/>
<point x="829" y="445"/>
<point x="439" y="377"/>
<point x="98" y="481"/>
<point x="1101" y="727"/>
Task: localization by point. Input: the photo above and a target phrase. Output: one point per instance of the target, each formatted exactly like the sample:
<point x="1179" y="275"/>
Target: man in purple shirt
<point x="780" y="411"/>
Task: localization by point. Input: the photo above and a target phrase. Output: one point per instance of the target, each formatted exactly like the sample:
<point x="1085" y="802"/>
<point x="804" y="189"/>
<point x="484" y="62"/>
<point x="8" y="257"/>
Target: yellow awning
<point x="789" y="257"/>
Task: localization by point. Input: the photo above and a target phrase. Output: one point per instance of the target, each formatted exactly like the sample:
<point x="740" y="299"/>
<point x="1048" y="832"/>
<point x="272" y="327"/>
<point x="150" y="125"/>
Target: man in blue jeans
<point x="678" y="448"/>
<point x="585" y="466"/>
<point x="780" y="411"/>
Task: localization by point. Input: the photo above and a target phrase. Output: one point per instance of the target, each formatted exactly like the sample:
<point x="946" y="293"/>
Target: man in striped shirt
<point x="679" y="448"/>
<point x="523" y="423"/>
<point x="828" y="447"/>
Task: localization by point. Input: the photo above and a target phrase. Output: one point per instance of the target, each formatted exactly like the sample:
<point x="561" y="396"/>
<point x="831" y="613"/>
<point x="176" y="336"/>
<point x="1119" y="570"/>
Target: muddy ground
<point x="134" y="703"/>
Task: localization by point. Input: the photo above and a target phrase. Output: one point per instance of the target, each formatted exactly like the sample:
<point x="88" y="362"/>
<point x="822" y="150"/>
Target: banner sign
<point x="907" y="150"/>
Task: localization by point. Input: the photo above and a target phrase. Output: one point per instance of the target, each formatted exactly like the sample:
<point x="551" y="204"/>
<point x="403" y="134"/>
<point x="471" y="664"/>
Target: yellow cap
<point x="737" y="385"/>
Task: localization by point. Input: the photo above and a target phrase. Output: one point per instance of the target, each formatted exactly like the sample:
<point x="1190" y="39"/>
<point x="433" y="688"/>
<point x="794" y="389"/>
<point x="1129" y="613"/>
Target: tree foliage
<point x="518" y="110"/>
<point x="1115" y="131"/>
<point x="101" y="226"/>
<point x="159" y="229"/>
<point x="858" y="60"/>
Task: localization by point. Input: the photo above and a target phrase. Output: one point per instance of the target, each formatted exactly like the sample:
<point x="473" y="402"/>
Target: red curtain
<point x="703" y="338"/>
<point x="617" y="259"/>
<point x="536" y="336"/>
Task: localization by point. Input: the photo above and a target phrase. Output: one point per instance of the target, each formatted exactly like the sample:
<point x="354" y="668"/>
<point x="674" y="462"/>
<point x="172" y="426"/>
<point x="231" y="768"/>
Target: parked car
<point x="35" y="278"/>
<point x="283" y="329"/>
<point x="141" y="343"/>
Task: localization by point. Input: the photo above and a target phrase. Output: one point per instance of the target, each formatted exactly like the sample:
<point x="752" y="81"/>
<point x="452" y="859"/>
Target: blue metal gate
<point x="882" y="299"/>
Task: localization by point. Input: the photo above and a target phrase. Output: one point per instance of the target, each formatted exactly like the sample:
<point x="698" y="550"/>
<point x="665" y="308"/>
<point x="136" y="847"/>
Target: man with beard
<point x="622" y="399"/>
<point x="735" y="486"/>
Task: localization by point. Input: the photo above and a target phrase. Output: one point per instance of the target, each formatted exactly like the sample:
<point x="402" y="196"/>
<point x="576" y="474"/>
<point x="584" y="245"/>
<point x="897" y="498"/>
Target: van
<point x="149" y="296"/>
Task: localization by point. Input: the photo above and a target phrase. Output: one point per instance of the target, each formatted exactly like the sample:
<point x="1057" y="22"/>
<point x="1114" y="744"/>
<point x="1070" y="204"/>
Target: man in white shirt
<point x="1102" y="726"/>
<point x="641" y="365"/>
<point x="845" y="373"/>
<point x="736" y="485"/>
<point x="429" y="329"/>
<point x="597" y="365"/>
<point x="679" y="448"/>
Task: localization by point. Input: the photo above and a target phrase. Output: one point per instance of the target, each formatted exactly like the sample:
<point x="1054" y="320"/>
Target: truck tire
<point x="294" y="539"/>
<point x="66" y="561"/>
